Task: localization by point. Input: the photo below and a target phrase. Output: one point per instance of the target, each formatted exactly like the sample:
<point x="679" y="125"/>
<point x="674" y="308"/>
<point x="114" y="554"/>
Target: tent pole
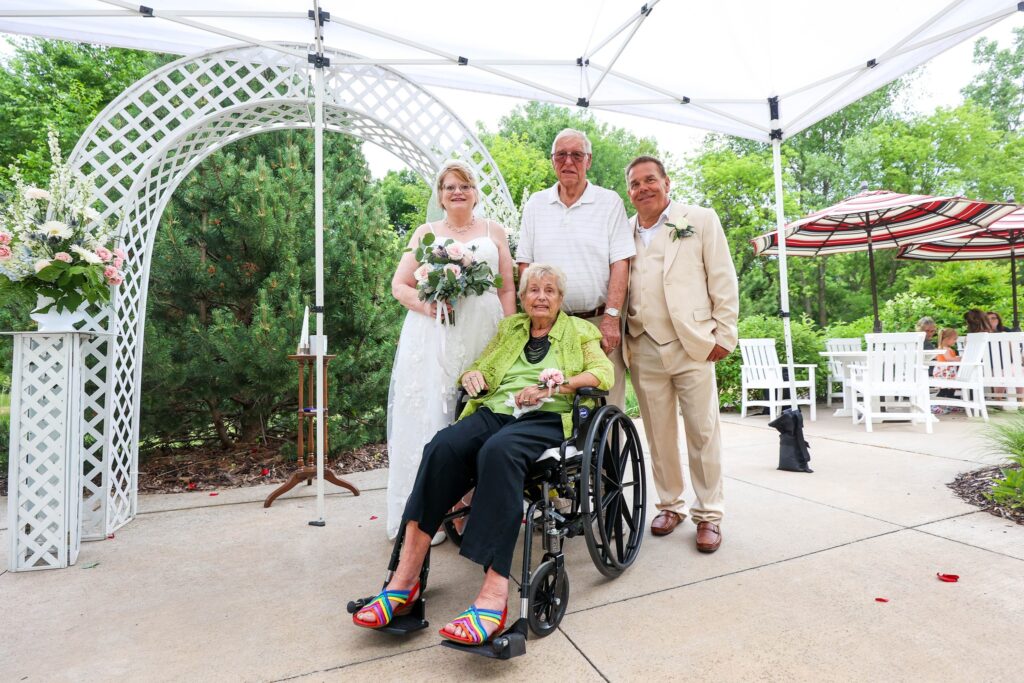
<point x="318" y="217"/>
<point x="780" y="228"/>
<point x="874" y="285"/>
<point x="1013" y="283"/>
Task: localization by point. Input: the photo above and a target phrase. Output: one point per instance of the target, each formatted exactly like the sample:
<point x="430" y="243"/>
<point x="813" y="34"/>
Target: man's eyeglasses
<point x="461" y="188"/>
<point x="562" y="157"/>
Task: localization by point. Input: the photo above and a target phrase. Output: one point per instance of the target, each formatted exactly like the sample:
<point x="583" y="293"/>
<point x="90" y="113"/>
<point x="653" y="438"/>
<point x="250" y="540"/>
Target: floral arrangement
<point x="449" y="271"/>
<point x="55" y="243"/>
<point x="551" y="378"/>
<point x="679" y="232"/>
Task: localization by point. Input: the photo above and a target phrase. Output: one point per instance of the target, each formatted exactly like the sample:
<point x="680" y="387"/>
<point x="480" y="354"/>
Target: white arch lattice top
<point x="148" y="140"/>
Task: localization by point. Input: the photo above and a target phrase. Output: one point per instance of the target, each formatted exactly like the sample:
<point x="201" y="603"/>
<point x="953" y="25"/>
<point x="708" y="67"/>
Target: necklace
<point x="461" y="228"/>
<point x="536" y="348"/>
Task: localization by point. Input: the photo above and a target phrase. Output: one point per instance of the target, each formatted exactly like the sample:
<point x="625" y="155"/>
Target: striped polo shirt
<point x="583" y="240"/>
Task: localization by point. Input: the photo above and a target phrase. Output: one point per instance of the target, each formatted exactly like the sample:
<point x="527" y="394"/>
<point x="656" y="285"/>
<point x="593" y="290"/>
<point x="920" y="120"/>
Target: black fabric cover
<point x="794" y="453"/>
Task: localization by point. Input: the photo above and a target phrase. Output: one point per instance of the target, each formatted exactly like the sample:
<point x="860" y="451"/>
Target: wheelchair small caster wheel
<point x="548" y="598"/>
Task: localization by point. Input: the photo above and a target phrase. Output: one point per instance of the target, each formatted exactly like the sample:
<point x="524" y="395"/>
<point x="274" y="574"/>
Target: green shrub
<point x="807" y="344"/>
<point x="858" y="328"/>
<point x="1008" y="439"/>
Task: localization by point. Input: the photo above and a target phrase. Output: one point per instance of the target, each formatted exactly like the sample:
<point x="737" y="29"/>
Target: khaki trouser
<point x="617" y="394"/>
<point x="664" y="377"/>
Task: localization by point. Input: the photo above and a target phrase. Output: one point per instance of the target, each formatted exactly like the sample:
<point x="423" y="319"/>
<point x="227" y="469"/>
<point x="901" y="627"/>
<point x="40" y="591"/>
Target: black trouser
<point x="492" y="452"/>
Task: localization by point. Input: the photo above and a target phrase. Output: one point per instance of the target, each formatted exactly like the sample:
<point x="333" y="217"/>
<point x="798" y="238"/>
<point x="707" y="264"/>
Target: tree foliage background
<point x="232" y="265"/>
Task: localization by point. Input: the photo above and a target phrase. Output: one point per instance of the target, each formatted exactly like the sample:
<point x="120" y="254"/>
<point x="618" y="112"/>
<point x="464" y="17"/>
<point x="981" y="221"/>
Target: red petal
<point x="214" y="494"/>
<point x="948" y="578"/>
<point x="265" y="471"/>
<point x="191" y="486"/>
<point x="373" y="517"/>
<point x="881" y="599"/>
<point x="110" y="535"/>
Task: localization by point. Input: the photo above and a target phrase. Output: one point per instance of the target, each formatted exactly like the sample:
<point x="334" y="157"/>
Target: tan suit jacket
<point x="699" y="280"/>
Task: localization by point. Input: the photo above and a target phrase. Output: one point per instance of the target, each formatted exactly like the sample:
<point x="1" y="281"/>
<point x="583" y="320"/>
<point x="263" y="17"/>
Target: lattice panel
<point x="145" y="143"/>
<point x="44" y="492"/>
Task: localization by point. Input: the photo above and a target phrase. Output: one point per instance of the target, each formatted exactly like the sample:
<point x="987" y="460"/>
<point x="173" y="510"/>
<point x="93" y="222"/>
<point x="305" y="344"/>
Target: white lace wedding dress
<point x="421" y="399"/>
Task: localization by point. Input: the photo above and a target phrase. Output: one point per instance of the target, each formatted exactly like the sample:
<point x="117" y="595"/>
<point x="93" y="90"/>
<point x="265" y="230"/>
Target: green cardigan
<point x="576" y="341"/>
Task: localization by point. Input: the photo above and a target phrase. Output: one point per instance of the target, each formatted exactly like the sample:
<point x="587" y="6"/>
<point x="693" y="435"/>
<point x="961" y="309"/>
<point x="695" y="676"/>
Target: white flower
<point x="86" y="255"/>
<point x="40" y="264"/>
<point x="36" y="193"/>
<point x="56" y="229"/>
<point x="91" y="214"/>
<point x="422" y="273"/>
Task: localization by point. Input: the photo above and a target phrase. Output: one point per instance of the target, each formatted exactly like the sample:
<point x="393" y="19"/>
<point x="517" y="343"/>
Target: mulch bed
<point x="973" y="486"/>
<point x="207" y="469"/>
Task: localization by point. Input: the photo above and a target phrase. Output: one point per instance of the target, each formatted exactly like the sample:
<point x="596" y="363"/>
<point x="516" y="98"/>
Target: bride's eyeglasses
<point x="461" y="188"/>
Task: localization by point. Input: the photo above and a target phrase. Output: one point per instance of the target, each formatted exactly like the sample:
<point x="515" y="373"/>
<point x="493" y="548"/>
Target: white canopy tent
<point x="761" y="71"/>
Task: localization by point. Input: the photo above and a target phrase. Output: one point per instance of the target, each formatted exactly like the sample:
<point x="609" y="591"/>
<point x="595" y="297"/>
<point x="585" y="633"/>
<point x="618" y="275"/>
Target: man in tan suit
<point x="681" y="319"/>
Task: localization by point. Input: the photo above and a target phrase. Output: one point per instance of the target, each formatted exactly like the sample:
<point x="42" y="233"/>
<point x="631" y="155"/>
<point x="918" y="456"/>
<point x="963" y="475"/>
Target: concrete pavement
<point x="218" y="588"/>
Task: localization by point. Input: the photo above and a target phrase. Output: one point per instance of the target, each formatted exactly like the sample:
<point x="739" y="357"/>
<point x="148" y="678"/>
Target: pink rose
<point x="119" y="253"/>
<point x="5" y="238"/>
<point x="104" y="253"/>
<point x="453" y="269"/>
<point x="551" y="377"/>
<point x="63" y="256"/>
<point x="110" y="272"/>
<point x="455" y="251"/>
<point x="421" y="273"/>
<point x="116" y="280"/>
<point x="118" y="262"/>
<point x="5" y="252"/>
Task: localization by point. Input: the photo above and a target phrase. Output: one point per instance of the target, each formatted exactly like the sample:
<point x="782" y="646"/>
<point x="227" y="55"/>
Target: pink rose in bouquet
<point x="5" y="252"/>
<point x="63" y="256"/>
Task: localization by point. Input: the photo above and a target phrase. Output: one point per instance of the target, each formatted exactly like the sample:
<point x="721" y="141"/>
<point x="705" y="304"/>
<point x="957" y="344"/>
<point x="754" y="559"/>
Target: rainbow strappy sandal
<point x="473" y="622"/>
<point x="387" y="605"/>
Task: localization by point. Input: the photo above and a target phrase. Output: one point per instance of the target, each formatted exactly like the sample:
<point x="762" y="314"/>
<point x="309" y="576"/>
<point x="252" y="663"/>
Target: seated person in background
<point x="927" y="325"/>
<point x="947" y="343"/>
<point x="977" y="321"/>
<point x="996" y="322"/>
<point x="492" y="450"/>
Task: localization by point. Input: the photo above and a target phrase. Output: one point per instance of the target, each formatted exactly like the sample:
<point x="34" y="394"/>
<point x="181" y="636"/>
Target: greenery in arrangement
<point x="1008" y="489"/>
<point x="54" y="243"/>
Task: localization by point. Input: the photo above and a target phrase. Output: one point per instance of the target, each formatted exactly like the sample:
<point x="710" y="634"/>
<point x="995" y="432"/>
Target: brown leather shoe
<point x="665" y="523"/>
<point x="709" y="537"/>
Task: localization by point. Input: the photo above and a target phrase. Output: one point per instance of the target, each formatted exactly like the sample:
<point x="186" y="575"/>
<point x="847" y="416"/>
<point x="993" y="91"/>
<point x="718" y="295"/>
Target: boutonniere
<point x="679" y="231"/>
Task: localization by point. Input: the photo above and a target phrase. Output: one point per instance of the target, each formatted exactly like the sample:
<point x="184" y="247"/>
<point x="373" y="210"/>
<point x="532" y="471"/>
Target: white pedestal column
<point x="44" y="484"/>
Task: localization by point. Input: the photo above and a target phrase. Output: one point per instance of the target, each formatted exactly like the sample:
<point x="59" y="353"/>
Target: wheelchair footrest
<point x="401" y="625"/>
<point x="507" y="645"/>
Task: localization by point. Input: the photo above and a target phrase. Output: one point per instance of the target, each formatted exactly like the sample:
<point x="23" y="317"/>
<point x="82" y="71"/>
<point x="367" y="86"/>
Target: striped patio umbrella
<point x="1003" y="239"/>
<point x="881" y="219"/>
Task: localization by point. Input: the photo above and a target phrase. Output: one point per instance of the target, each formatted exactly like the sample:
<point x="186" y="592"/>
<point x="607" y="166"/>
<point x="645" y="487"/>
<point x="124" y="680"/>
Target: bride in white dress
<point x="431" y="356"/>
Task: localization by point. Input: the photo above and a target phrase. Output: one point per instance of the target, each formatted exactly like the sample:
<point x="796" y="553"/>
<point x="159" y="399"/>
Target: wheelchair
<point x="593" y="485"/>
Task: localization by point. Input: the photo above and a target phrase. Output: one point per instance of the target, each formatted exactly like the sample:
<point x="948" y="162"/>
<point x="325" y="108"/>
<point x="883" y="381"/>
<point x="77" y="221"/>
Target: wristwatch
<point x="613" y="312"/>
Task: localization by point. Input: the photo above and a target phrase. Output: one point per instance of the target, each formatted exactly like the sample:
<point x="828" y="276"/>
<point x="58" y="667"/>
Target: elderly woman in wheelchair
<point x="509" y="424"/>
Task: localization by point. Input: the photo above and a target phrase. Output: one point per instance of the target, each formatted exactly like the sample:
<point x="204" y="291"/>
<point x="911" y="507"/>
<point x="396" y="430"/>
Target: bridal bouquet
<point x="55" y="243"/>
<point x="449" y="271"/>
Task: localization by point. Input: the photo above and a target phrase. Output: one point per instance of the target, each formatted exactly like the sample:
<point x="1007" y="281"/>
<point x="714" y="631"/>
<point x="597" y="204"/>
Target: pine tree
<point x="232" y="269"/>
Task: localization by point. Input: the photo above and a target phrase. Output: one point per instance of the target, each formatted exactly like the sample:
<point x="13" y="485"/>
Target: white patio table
<point x="848" y="358"/>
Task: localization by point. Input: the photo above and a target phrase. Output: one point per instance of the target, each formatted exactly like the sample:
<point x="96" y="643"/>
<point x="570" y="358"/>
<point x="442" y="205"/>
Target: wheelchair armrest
<point x="591" y="392"/>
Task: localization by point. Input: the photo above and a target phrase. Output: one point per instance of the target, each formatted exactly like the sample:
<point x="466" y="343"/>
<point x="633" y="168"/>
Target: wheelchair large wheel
<point x="613" y="491"/>
<point x="547" y="604"/>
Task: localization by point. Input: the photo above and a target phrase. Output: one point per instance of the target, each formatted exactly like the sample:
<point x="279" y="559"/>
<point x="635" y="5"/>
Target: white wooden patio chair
<point x="1003" y="369"/>
<point x="837" y="367"/>
<point x="761" y="370"/>
<point x="893" y="377"/>
<point x="968" y="379"/>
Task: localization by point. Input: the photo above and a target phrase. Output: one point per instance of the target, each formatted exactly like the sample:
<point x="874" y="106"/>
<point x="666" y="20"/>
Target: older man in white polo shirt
<point x="583" y="229"/>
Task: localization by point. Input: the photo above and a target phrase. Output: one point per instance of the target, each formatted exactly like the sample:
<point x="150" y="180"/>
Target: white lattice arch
<point x="148" y="140"/>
